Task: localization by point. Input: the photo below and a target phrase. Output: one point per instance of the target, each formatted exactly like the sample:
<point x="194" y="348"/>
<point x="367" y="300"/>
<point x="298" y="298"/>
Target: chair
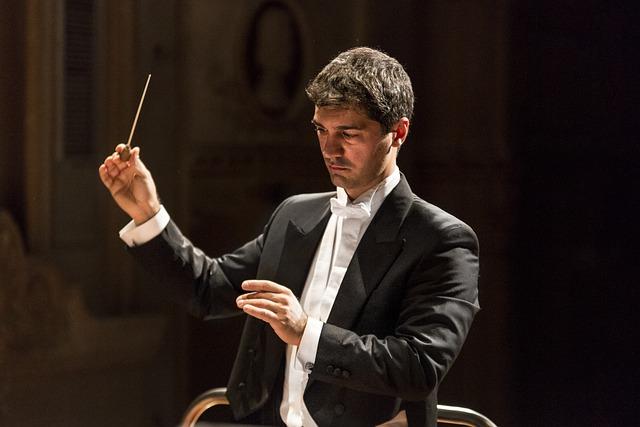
<point x="447" y="415"/>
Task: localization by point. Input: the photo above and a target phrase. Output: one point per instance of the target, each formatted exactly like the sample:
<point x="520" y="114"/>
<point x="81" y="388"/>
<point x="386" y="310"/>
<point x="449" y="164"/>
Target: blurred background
<point x="523" y="127"/>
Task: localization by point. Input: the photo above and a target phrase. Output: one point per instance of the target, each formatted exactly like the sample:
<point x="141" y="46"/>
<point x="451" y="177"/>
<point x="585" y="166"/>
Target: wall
<point x="573" y="125"/>
<point x="523" y="128"/>
<point x="457" y="155"/>
<point x="11" y="106"/>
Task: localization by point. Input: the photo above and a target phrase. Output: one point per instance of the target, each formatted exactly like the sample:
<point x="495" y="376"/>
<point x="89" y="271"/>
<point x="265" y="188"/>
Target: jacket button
<point x="338" y="409"/>
<point x="346" y="374"/>
<point x="330" y="369"/>
<point x="308" y="366"/>
<point x="241" y="385"/>
<point x="337" y="372"/>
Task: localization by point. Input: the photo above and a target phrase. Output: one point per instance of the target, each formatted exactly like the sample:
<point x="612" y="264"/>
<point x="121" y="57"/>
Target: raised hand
<point x="130" y="184"/>
<point x="276" y="305"/>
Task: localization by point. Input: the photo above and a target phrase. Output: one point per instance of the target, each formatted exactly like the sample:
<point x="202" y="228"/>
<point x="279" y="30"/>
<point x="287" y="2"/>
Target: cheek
<point x="378" y="155"/>
<point x="356" y="156"/>
<point x="364" y="156"/>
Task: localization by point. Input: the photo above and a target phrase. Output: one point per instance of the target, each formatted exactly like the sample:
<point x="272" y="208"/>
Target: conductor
<point x="358" y="300"/>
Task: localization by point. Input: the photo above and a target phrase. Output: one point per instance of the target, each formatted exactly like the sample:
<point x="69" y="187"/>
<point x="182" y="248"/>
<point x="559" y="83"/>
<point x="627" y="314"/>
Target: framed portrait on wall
<point x="274" y="57"/>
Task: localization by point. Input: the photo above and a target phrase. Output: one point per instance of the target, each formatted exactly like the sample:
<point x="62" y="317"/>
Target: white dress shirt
<point x="346" y="226"/>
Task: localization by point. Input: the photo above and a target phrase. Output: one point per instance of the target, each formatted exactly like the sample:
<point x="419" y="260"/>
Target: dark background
<point x="573" y="121"/>
<point x="525" y="128"/>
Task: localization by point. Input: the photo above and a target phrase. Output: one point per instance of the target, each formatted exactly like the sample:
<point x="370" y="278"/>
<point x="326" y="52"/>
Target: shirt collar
<point x="372" y="199"/>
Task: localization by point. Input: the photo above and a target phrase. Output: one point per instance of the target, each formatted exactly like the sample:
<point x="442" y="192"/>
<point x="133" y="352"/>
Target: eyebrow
<point x="341" y="127"/>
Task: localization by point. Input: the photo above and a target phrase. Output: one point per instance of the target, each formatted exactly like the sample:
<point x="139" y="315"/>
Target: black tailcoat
<point x="398" y="322"/>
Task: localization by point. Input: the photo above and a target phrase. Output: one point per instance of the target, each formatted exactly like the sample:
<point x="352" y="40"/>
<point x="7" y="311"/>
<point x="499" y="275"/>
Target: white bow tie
<point x="357" y="211"/>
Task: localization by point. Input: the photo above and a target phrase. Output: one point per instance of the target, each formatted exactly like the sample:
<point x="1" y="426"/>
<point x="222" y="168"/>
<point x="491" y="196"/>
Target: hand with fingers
<point x="130" y="184"/>
<point x="276" y="305"/>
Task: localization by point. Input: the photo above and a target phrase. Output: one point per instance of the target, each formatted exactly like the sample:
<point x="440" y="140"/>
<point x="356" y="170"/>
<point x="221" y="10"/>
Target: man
<point x="358" y="300"/>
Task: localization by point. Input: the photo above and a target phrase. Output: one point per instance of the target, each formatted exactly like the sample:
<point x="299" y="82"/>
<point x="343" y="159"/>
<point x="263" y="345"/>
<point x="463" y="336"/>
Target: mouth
<point x="336" y="168"/>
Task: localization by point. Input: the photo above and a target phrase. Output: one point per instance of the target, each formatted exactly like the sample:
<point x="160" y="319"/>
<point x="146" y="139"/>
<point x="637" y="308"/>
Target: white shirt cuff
<point x="308" y="348"/>
<point x="134" y="235"/>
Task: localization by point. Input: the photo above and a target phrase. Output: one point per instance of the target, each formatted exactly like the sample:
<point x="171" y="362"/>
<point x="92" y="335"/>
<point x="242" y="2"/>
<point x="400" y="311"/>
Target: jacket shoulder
<point x="438" y="220"/>
<point x="309" y="198"/>
<point x="306" y="203"/>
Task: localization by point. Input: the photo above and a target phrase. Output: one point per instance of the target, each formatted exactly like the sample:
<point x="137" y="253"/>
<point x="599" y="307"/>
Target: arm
<point x="434" y="316"/>
<point x="131" y="185"/>
<point x="207" y="286"/>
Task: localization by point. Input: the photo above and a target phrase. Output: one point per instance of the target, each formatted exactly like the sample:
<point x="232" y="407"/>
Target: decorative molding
<point x="273" y="59"/>
<point x="44" y="319"/>
<point x="43" y="108"/>
<point x="117" y="89"/>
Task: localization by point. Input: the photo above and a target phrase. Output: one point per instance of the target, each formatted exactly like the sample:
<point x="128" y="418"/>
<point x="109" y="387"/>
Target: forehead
<point x="343" y="117"/>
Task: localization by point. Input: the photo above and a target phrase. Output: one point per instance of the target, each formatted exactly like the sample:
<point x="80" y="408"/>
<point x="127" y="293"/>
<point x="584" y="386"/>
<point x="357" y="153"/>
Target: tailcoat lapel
<point x="301" y="239"/>
<point x="375" y="254"/>
<point x="256" y="372"/>
<point x="300" y="244"/>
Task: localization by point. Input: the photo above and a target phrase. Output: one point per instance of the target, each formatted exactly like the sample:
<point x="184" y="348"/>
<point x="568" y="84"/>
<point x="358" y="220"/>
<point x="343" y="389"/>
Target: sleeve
<point x="206" y="286"/>
<point x="134" y="235"/>
<point x="434" y="316"/>
<point x="308" y="347"/>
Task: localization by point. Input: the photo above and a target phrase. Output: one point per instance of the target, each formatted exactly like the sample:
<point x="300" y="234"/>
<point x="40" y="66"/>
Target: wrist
<point x="302" y="327"/>
<point x="146" y="213"/>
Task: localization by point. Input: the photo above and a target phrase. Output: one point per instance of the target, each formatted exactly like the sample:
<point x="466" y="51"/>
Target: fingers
<point x="111" y="169"/>
<point x="276" y="305"/>
<point x="104" y="175"/>
<point x="263" y="304"/>
<point x="136" y="162"/>
<point x="114" y="165"/>
<point x="261" y="313"/>
<point x="264" y="286"/>
<point x="271" y="297"/>
<point x="135" y="154"/>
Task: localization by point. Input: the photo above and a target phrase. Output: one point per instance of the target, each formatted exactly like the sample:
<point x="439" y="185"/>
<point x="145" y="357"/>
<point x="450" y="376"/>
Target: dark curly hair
<point x="365" y="78"/>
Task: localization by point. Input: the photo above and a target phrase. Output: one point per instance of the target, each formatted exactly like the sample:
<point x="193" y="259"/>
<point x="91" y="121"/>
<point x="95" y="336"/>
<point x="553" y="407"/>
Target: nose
<point x="331" y="146"/>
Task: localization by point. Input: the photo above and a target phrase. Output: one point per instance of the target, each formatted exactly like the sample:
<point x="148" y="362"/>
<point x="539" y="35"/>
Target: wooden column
<point x="42" y="116"/>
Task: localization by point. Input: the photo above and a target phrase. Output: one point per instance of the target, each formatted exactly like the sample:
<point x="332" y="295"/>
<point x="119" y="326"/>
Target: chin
<point x="337" y="180"/>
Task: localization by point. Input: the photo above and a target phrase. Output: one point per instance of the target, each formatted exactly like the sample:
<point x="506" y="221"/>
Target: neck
<point x="353" y="194"/>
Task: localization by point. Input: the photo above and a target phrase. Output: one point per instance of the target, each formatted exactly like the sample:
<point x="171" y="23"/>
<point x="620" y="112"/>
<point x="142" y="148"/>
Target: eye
<point x="348" y="135"/>
<point x="319" y="130"/>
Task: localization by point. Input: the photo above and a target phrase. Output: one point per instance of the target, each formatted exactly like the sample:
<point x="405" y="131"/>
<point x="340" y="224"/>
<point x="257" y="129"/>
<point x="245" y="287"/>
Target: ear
<point x="401" y="131"/>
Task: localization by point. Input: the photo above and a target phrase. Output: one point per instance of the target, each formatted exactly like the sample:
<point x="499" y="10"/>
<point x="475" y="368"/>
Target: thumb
<point x="135" y="155"/>
<point x="136" y="162"/>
